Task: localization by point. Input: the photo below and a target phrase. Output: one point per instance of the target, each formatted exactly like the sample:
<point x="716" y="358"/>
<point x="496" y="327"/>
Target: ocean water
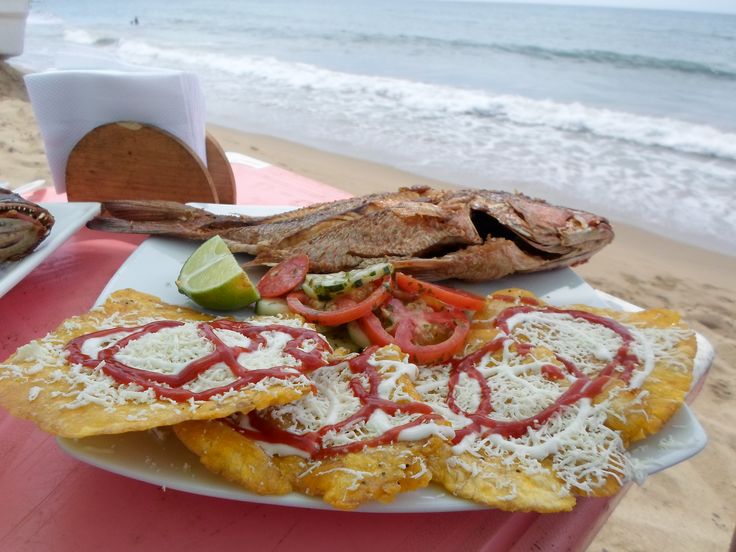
<point x="627" y="113"/>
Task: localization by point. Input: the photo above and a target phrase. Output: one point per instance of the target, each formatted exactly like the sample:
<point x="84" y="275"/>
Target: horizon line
<point x="581" y="4"/>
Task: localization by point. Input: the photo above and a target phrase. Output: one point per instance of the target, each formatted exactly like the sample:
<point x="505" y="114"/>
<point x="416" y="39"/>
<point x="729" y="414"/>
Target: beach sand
<point x="689" y="507"/>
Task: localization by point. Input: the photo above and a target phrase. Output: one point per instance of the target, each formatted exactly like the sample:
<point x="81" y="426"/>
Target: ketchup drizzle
<point x="266" y="430"/>
<point x="583" y="386"/>
<point x="170" y="386"/>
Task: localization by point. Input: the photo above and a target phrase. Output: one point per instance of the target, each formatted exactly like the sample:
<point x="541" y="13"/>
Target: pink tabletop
<point x="53" y="502"/>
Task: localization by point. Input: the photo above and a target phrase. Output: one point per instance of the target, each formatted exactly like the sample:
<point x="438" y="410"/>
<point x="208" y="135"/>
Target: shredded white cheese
<point x="584" y="452"/>
<point x="33" y="393"/>
<point x="165" y="351"/>
<point x="335" y="401"/>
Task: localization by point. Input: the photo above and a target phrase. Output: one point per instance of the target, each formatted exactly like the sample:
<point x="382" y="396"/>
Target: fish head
<point x="14" y="206"/>
<point x="551" y="227"/>
<point x="16" y="237"/>
<point x="537" y="226"/>
<point x="23" y="225"/>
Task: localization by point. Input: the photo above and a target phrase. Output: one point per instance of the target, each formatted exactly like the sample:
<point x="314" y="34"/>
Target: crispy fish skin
<point x="23" y="225"/>
<point x="38" y="384"/>
<point x="249" y="233"/>
<point x="437" y="234"/>
<point x="491" y="260"/>
<point x="379" y="235"/>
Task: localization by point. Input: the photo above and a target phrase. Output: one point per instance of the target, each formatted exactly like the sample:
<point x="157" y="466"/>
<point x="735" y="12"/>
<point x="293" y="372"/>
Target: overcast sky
<point x="721" y="6"/>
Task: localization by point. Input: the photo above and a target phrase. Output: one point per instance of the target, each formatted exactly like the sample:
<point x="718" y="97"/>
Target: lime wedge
<point x="213" y="279"/>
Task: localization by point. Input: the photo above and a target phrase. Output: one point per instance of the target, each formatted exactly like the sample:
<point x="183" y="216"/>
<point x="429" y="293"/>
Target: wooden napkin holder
<point x="129" y="160"/>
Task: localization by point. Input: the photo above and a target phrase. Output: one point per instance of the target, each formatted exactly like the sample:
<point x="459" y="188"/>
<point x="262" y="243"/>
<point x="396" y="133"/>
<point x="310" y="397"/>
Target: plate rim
<point x="60" y="234"/>
<point x="445" y="503"/>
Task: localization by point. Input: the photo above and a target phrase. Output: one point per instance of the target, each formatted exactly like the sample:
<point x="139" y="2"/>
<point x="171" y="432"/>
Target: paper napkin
<point x="70" y="103"/>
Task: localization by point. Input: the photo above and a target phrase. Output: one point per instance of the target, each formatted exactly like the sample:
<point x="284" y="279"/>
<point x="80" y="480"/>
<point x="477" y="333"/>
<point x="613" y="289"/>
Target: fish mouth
<point x="546" y="232"/>
<point x="489" y="227"/>
<point x="577" y="240"/>
<point x="14" y="206"/>
<point x="23" y="225"/>
<point x="25" y="211"/>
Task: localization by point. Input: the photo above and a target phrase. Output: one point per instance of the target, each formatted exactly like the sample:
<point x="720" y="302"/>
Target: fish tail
<point x="160" y="217"/>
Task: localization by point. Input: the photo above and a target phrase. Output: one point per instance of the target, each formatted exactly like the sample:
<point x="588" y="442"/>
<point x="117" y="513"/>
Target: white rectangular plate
<point x="68" y="217"/>
<point x="157" y="456"/>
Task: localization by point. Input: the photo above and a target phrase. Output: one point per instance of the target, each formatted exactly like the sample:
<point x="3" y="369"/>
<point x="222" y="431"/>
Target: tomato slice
<point x="374" y="330"/>
<point x="346" y="309"/>
<point x="284" y="277"/>
<point x="437" y="352"/>
<point x="455" y="297"/>
<point x="407" y="325"/>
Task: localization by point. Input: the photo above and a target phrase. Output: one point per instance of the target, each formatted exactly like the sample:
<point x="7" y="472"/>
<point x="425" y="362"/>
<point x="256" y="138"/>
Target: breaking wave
<point x="432" y="100"/>
<point x="79" y="36"/>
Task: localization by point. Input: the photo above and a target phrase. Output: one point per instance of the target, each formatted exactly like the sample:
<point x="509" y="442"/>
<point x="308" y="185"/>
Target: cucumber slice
<point x="272" y="307"/>
<point x="357" y="335"/>
<point x="361" y="276"/>
<point x="326" y="286"/>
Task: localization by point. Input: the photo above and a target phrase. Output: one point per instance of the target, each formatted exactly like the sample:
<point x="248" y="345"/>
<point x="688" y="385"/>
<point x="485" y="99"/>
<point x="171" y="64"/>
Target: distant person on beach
<point x="134" y="21"/>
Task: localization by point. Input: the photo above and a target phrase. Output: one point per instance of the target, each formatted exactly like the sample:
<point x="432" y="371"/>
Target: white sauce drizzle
<point x="584" y="452"/>
<point x="334" y="401"/>
<point x="165" y="351"/>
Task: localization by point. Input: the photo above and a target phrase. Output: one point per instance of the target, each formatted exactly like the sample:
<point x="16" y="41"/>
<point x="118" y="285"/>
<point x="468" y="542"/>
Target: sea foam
<point x="433" y="99"/>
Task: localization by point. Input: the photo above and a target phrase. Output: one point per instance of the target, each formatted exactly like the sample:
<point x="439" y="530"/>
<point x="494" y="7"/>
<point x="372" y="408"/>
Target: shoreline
<point x="315" y="162"/>
<point x="691" y="506"/>
<point x="351" y="174"/>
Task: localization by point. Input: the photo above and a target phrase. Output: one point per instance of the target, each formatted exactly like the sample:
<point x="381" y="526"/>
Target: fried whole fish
<point x="23" y="225"/>
<point x="467" y="234"/>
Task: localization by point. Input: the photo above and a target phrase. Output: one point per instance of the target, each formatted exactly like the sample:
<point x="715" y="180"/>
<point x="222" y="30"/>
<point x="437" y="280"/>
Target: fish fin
<point x="151" y="211"/>
<point x="162" y="217"/>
